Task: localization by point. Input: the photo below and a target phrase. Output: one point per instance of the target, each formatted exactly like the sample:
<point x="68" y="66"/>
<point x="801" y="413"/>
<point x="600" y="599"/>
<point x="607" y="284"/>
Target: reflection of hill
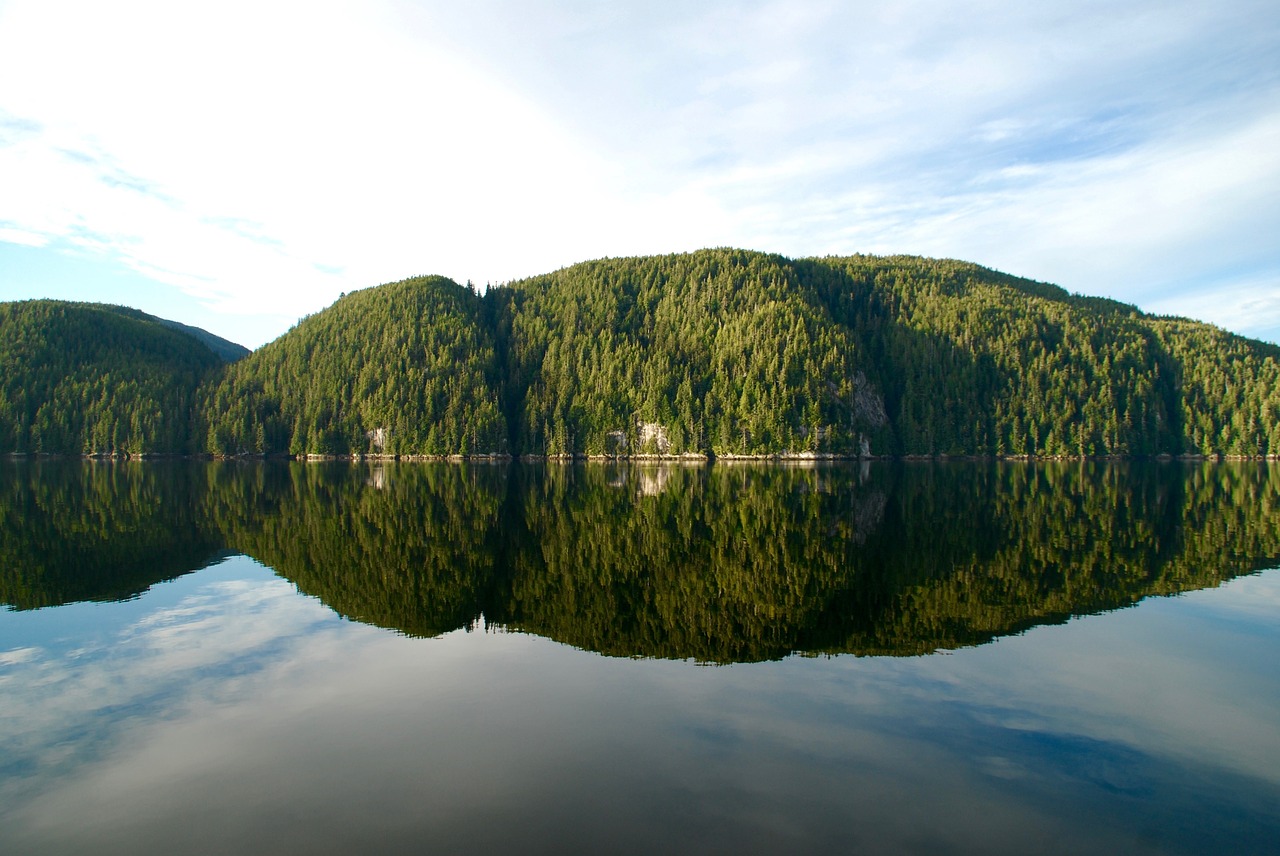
<point x="730" y="564"/>
<point x="721" y="564"/>
<point x="752" y="564"/>
<point x="71" y="531"/>
<point x="725" y="564"/>
<point x="979" y="553"/>
<point x="404" y="547"/>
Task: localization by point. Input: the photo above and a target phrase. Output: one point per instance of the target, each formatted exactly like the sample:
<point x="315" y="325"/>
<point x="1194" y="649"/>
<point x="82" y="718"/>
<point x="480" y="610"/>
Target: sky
<point x="242" y="164"/>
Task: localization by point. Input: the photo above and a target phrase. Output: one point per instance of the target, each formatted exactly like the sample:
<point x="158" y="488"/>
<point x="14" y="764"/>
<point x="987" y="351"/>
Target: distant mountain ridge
<point x="225" y="349"/>
<point x="728" y="353"/>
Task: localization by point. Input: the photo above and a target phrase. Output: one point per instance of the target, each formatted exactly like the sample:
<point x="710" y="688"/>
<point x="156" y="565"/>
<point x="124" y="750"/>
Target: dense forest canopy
<point x="89" y="378"/>
<point x="407" y="368"/>
<point x="719" y="352"/>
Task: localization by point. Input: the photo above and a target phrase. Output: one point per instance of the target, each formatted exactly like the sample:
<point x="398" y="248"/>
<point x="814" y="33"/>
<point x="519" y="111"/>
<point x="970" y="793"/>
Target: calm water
<point x="219" y="658"/>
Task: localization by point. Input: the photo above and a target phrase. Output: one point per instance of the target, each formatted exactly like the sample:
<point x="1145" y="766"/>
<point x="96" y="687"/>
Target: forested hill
<point x="406" y="368"/>
<point x="90" y="378"/>
<point x="727" y="352"/>
<point x="742" y="353"/>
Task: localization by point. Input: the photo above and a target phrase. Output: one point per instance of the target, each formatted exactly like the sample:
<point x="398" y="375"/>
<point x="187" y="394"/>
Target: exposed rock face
<point x="822" y="433"/>
<point x="378" y="438"/>
<point x="652" y="433"/>
<point x="868" y="405"/>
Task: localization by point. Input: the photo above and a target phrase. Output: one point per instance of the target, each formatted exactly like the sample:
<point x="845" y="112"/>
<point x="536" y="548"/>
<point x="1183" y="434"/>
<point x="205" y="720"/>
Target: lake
<point x="878" y="657"/>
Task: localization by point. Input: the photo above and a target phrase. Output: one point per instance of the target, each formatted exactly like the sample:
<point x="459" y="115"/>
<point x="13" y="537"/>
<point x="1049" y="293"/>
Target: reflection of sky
<point x="223" y="712"/>
<point x="73" y="677"/>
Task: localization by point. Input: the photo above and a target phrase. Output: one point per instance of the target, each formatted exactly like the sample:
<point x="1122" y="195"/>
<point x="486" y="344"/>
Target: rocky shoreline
<point x="685" y="458"/>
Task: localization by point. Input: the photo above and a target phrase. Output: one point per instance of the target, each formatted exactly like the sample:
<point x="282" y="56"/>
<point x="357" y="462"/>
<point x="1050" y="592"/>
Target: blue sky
<point x="238" y="166"/>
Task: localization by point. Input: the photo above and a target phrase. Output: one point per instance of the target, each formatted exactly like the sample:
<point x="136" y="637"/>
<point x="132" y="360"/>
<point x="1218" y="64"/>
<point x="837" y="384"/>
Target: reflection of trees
<point x="722" y="564"/>
<point x="736" y="564"/>
<point x="72" y="531"/>
<point x="408" y="547"/>
<point x="978" y="553"/>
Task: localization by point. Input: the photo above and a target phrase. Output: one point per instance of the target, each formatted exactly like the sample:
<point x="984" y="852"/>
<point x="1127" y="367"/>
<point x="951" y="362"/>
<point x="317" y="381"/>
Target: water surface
<point x="427" y="658"/>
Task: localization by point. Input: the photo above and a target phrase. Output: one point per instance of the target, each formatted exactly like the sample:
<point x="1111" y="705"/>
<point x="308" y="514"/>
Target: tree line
<point x="719" y="352"/>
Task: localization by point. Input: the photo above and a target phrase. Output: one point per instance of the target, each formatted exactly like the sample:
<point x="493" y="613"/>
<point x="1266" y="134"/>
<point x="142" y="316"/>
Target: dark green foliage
<point x="1225" y="395"/>
<point x="720" y="352"/>
<point x="743" y="353"/>
<point x="976" y="362"/>
<point x="81" y="378"/>
<point x="729" y="352"/>
<point x="410" y="360"/>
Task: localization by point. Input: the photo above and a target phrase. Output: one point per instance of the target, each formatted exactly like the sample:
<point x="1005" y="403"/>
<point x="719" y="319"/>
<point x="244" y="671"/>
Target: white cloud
<point x="205" y="647"/>
<point x="21" y="236"/>
<point x="15" y="656"/>
<point x="265" y="156"/>
<point x="246" y="154"/>
<point x="1250" y="306"/>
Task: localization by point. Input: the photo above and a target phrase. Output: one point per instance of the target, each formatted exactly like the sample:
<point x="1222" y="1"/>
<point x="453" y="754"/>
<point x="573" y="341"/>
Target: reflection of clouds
<point x="223" y="621"/>
<point x="1256" y="596"/>
<point x="18" y="655"/>
<point x="65" y="707"/>
<point x="1175" y="677"/>
<point x="1002" y="767"/>
<point x="243" y="713"/>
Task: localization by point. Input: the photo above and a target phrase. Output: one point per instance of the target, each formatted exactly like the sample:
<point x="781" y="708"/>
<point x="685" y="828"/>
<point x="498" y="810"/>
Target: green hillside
<point x="719" y="352"/>
<point x="975" y="361"/>
<point x="87" y="378"/>
<point x="406" y="368"/>
<point x="731" y="352"/>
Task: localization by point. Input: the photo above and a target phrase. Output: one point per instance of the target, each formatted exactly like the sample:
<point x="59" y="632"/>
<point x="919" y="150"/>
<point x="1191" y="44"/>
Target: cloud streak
<point x="267" y="157"/>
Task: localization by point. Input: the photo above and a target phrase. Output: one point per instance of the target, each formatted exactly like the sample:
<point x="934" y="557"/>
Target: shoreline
<point x="689" y="459"/>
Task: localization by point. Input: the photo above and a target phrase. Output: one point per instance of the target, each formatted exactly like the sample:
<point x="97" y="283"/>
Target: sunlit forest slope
<point x="89" y="378"/>
<point x="719" y="352"/>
